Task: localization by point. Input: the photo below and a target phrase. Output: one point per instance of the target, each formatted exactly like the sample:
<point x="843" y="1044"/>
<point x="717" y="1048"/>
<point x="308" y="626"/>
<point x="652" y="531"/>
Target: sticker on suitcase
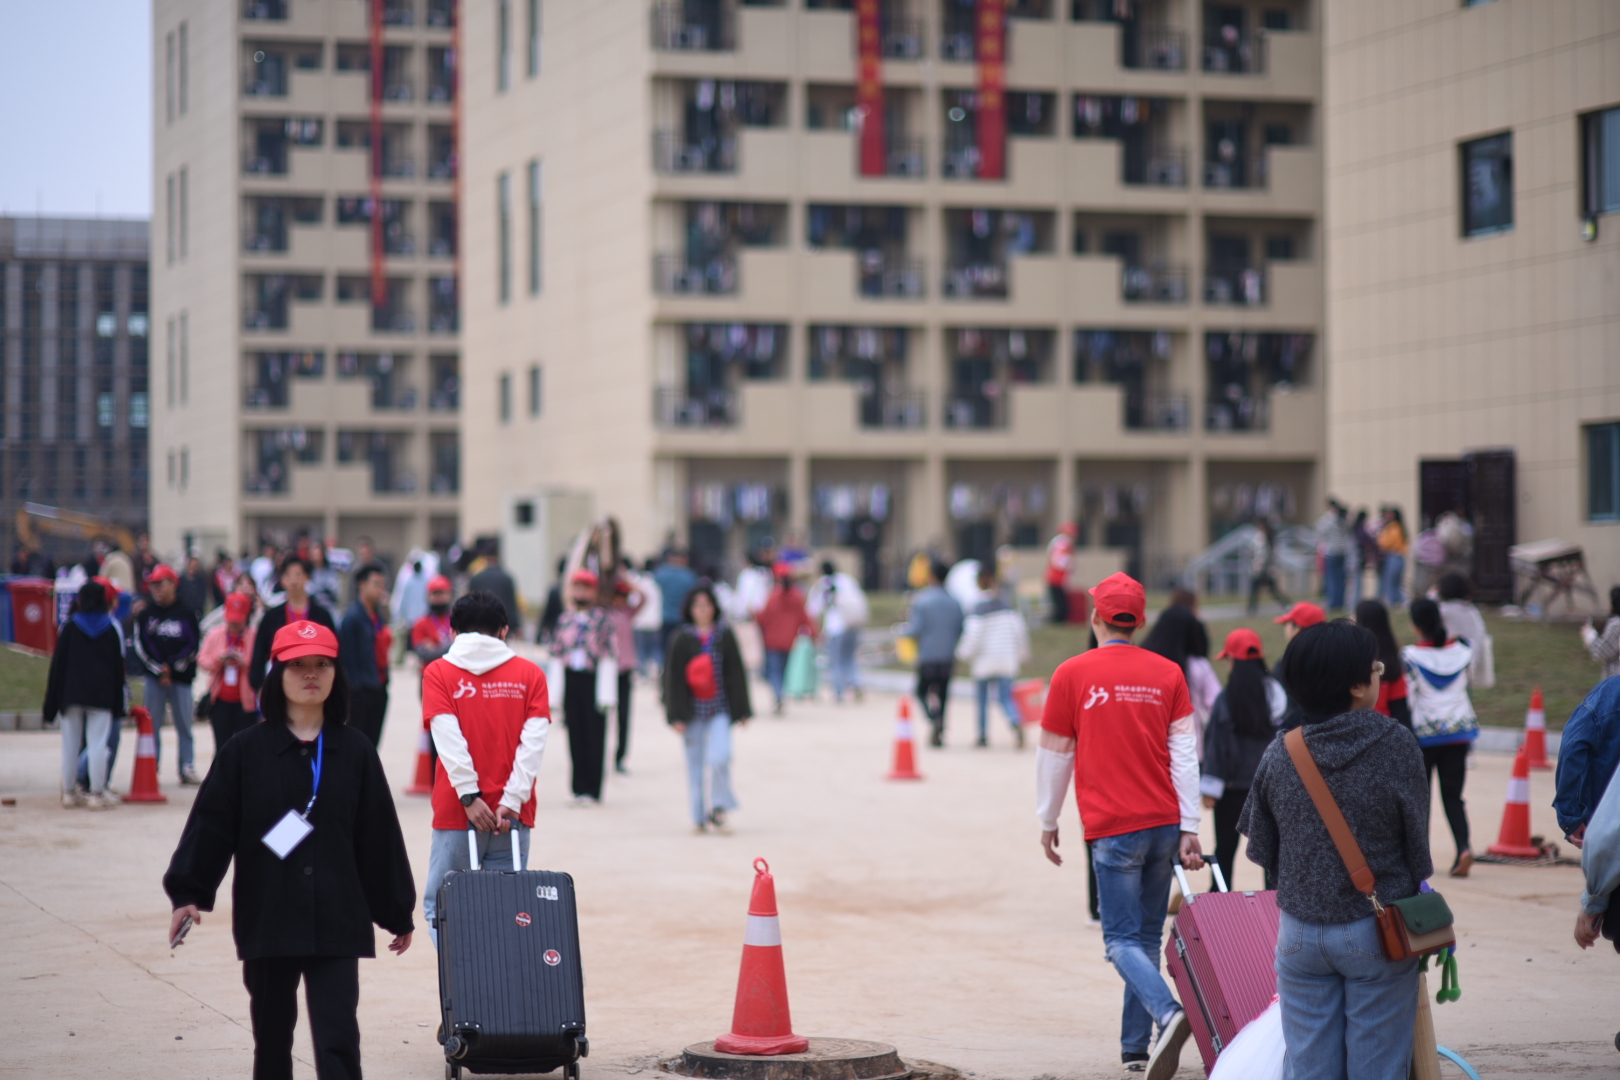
<point x="546" y="892"/>
<point x="553" y="957"/>
<point x="523" y="918"/>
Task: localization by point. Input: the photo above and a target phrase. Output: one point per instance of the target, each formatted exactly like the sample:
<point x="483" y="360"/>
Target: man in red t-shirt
<point x="1119" y="720"/>
<point x="1059" y="556"/>
<point x="489" y="713"/>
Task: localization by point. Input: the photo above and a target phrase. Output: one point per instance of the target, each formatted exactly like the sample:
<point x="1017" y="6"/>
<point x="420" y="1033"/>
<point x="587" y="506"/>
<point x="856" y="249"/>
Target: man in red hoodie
<point x="781" y="621"/>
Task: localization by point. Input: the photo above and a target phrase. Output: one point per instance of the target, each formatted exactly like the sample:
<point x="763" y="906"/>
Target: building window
<point x="534" y="390"/>
<point x="171" y="468"/>
<point x="1600" y="134"/>
<point x="504" y="404"/>
<point x="503" y="45"/>
<point x="185" y="211"/>
<point x="1603" y="472"/>
<point x="185" y="467"/>
<point x="169" y="394"/>
<point x="533" y="66"/>
<point x="168" y="90"/>
<point x="185" y="357"/>
<point x="534" y="227"/>
<point x="185" y="93"/>
<point x="503" y="239"/>
<point x="1487" y="184"/>
<point x="169" y="218"/>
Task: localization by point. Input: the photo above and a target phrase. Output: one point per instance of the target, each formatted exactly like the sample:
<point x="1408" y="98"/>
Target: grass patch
<point x="22" y="680"/>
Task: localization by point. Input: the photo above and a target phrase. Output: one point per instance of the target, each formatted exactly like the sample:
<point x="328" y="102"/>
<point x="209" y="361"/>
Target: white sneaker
<point x="100" y="800"/>
<point x="72" y="800"/>
<point x="1166" y="1058"/>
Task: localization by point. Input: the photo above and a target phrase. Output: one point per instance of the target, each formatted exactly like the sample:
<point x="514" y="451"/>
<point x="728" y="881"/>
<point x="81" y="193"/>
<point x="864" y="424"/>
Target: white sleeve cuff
<point x="1052" y="774"/>
<point x="526" y="765"/>
<point x="1184" y="775"/>
<point x="452" y="747"/>
<point x="1213" y="786"/>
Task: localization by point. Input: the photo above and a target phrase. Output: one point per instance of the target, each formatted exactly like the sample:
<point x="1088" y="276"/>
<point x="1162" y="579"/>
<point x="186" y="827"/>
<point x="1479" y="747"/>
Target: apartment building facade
<point x="304" y="279"/>
<point x="75" y="407"/>
<point x="1471" y="220"/>
<point x="899" y="274"/>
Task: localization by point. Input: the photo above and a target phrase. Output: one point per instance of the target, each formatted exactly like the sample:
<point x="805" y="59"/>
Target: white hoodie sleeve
<point x="453" y="751"/>
<point x="1184" y="771"/>
<point x="1053" y="772"/>
<point x="526" y="765"/>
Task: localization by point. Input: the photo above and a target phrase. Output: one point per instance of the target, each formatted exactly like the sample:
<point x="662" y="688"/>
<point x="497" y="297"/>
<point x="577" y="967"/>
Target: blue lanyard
<point x="315" y="767"/>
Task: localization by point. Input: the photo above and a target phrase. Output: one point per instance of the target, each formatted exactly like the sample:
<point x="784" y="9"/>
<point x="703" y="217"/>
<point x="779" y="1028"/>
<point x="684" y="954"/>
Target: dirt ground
<point x="918" y="914"/>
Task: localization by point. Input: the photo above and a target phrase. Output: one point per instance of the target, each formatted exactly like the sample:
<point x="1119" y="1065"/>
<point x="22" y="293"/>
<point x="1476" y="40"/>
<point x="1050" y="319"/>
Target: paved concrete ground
<point x="918" y="914"/>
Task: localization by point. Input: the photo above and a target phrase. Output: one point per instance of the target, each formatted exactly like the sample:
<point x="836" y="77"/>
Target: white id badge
<point x="288" y="833"/>
<point x="230" y="675"/>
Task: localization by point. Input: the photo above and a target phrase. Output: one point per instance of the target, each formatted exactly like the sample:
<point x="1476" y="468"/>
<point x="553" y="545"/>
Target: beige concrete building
<point x="1473" y="173"/>
<point x="687" y="298"/>
<point x="288" y="393"/>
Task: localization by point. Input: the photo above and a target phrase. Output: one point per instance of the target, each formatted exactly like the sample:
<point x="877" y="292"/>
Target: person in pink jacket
<point x="224" y="657"/>
<point x="781" y="621"/>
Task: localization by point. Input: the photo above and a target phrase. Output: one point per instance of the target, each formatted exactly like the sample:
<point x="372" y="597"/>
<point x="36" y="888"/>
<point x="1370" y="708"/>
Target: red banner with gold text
<point x="991" y="50"/>
<point x="869" y="87"/>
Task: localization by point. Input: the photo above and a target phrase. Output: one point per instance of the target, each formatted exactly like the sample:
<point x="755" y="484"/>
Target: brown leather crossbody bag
<point x="1407" y="928"/>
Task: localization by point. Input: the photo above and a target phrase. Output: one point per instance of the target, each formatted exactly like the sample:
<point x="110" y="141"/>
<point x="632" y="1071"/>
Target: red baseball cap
<point x="238" y="606"/>
<point x="583" y="577"/>
<point x="303" y="639"/>
<point x="1242" y="644"/>
<point x="108" y="587"/>
<point x="163" y="572"/>
<point x="1302" y="614"/>
<point x="440" y="584"/>
<point x="1121" y="600"/>
<point x="783" y="570"/>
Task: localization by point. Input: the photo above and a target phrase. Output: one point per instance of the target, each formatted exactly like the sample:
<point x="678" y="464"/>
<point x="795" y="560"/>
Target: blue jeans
<point x="776" y="671"/>
<point x="841" y="661"/>
<point x="449" y="852"/>
<point x="1133" y="891"/>
<point x="1333" y="581"/>
<point x="174" y="698"/>
<point x="708" y="755"/>
<point x="1003" y="688"/>
<point x="647" y="657"/>
<point x="1389" y="578"/>
<point x="1342" y="1002"/>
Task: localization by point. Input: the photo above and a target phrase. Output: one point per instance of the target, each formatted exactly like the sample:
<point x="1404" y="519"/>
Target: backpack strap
<point x="1354" y="861"/>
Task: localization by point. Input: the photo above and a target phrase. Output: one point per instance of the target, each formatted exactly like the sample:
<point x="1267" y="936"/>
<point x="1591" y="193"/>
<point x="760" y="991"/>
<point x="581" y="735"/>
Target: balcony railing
<point x="398" y="13"/>
<point x="272" y="396"/>
<point x="957" y="46"/>
<point x="399" y="88"/>
<point x="902" y="156"/>
<point x="976" y="281"/>
<point x="399" y="244"/>
<point x="1154" y="285"/>
<point x="674" y="276"/>
<point x="1164" y="166"/>
<point x="674" y="408"/>
<point x="1247" y="412"/>
<point x="1235" y="54"/>
<point x="441" y="14"/>
<point x="960" y="161"/>
<point x="393" y="320"/>
<point x="1157" y="412"/>
<point x="889" y="278"/>
<point x="267" y="317"/>
<point x="265" y="164"/>
<point x="975" y="411"/>
<point x="675" y="30"/>
<point x="442" y="168"/>
<point x="1244" y="286"/>
<point x="265" y="9"/>
<point x="893" y="410"/>
<point x="1155" y="48"/>
<point x="402" y="165"/>
<point x="672" y="153"/>
<point x="1240" y="174"/>
<point x="903" y="39"/>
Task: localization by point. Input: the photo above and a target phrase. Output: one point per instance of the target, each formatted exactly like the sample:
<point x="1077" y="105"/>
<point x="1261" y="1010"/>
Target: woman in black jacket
<point x="705" y="692"/>
<point x="86" y="689"/>
<point x="1242" y="723"/>
<point x="301" y="803"/>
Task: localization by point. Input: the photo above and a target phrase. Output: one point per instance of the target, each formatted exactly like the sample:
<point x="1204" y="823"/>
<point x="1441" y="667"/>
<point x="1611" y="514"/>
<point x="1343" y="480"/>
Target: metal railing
<point x="959" y="46"/>
<point x="1153" y="285"/>
<point x="893" y="410"/>
<point x="672" y="153"/>
<point x="1244" y="286"/>
<point x="1157" y="412"/>
<point x="902" y="39"/>
<point x="960" y="161"/>
<point x="976" y="281"/>
<point x="1245" y="173"/>
<point x="402" y="166"/>
<point x="675" y="408"/>
<point x="274" y="317"/>
<point x="902" y="156"/>
<point x="265" y="9"/>
<point x="260" y="165"/>
<point x="674" y="30"/>
<point x="393" y="320"/>
<point x="1235" y="53"/>
<point x="673" y="275"/>
<point x="884" y="278"/>
<point x="1157" y="48"/>
<point x="1246" y="412"/>
<point x="975" y="412"/>
<point x="1163" y="166"/>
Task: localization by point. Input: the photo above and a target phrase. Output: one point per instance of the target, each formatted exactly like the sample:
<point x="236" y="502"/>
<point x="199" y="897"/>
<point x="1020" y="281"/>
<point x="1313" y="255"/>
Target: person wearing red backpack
<point x="705" y="692"/>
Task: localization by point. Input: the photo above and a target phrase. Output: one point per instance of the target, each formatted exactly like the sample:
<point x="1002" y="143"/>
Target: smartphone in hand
<point x="180" y="935"/>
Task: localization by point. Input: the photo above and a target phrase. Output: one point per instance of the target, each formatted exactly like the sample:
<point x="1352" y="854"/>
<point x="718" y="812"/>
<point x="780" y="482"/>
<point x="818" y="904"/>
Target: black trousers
<point x="1228" y="808"/>
<point x="1060" y="604"/>
<point x="331" y="999"/>
<point x="227" y="718"/>
<point x="933" y="690"/>
<point x="1265" y="579"/>
<point x="587" y="732"/>
<point x="1451" y="762"/>
<point x="368" y="707"/>
<point x="623" y="745"/>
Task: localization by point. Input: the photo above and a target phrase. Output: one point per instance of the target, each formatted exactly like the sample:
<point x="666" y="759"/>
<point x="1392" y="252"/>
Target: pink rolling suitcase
<point x="1222" y="953"/>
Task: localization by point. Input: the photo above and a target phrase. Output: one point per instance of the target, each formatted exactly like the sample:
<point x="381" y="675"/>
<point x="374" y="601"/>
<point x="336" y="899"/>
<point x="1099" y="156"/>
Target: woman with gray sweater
<point x="1347" y="1012"/>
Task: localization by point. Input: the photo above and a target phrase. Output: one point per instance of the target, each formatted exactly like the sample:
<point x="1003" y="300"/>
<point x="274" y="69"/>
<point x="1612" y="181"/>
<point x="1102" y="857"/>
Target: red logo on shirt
<point x="523" y="918"/>
<point x="553" y="957"/>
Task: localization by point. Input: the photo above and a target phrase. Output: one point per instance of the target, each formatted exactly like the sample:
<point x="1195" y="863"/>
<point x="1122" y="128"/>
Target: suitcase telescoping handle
<point x="517" y="848"/>
<point x="1186" y="889"/>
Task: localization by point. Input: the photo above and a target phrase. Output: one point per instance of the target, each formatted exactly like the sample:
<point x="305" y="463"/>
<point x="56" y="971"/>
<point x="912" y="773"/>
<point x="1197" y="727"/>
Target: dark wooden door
<point x="1493" y="500"/>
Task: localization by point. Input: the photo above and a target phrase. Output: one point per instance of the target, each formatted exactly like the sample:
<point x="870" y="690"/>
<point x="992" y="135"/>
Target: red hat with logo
<point x="439" y="584"/>
<point x="301" y="639"/>
<point x="583" y="576"/>
<point x="1120" y="600"/>
<point x="162" y="572"/>
<point x="238" y="606"/>
<point x="1242" y="644"/>
<point x="1302" y="614"/>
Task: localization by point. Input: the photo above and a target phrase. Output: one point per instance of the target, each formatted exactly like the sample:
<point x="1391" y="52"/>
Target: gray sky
<point x="75" y="107"/>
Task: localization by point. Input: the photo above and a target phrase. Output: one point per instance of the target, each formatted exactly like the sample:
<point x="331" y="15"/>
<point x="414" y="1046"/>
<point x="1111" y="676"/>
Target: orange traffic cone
<point x="760" y="1023"/>
<point x="423" y="784"/>
<point x="1535" y="732"/>
<point x="1514" y="839"/>
<point x="144" y="786"/>
<point x="905" y="749"/>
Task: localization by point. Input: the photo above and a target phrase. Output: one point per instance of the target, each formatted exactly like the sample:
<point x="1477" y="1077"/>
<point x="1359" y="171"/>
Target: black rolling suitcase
<point x="511" y="990"/>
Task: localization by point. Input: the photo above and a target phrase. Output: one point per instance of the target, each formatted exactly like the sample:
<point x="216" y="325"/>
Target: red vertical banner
<point x="991" y="49"/>
<point x="869" y="87"/>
